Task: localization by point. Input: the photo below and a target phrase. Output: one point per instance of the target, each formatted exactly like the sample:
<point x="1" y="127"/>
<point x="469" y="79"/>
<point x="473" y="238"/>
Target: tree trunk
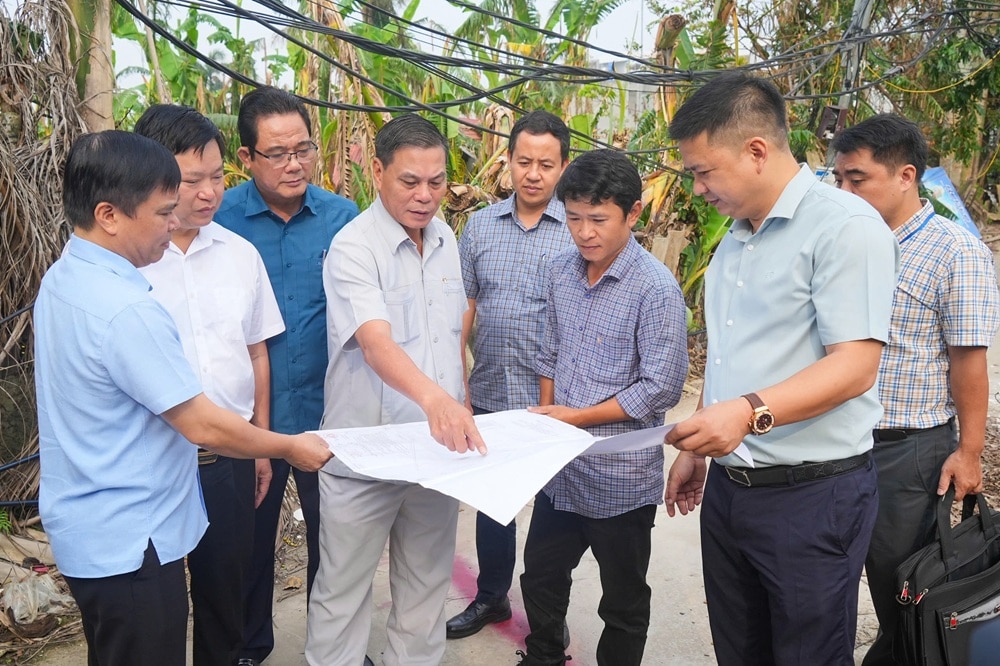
<point x="95" y="77"/>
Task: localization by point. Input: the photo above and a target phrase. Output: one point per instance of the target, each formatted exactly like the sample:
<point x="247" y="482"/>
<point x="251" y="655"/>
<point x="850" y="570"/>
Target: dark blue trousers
<point x="219" y="561"/>
<point x="782" y="567"/>
<point x="258" y="587"/>
<point x="496" y="548"/>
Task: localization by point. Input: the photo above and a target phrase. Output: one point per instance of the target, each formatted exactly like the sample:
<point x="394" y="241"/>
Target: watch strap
<point x="754" y="400"/>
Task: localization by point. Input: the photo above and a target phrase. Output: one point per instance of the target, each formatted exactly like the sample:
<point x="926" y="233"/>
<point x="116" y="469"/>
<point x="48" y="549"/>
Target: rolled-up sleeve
<point x="661" y="340"/>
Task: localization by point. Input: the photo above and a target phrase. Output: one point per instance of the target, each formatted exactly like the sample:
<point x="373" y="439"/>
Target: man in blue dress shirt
<point x="119" y="407"/>
<point x="613" y="359"/>
<point x="291" y="223"/>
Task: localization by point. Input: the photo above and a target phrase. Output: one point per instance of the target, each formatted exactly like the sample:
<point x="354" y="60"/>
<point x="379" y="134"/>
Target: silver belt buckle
<point x="738" y="475"/>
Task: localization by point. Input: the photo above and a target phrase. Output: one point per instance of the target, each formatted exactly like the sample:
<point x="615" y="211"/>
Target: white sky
<point x="625" y="25"/>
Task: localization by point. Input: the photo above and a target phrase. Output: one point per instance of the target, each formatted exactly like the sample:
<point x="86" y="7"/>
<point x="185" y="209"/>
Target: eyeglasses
<point x="278" y="160"/>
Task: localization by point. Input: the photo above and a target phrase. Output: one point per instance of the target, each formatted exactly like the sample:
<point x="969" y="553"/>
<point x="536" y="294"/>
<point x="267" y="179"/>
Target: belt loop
<point x="790" y="475"/>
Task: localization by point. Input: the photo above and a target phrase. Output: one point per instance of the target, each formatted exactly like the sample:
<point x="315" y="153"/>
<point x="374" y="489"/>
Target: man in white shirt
<point x="214" y="285"/>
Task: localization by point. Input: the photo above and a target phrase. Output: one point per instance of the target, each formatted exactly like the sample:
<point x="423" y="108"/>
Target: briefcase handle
<point x="949" y="552"/>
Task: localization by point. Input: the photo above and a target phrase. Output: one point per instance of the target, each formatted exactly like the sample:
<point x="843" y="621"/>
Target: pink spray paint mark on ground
<point x="463" y="580"/>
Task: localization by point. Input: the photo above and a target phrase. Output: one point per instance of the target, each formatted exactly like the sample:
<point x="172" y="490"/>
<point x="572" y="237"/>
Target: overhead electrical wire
<point x="523" y="69"/>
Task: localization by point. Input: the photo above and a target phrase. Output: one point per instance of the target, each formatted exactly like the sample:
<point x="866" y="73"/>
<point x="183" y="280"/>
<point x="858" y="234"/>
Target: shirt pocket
<point x="228" y="312"/>
<point x="454" y="292"/>
<point x="615" y="360"/>
<point x="400" y="304"/>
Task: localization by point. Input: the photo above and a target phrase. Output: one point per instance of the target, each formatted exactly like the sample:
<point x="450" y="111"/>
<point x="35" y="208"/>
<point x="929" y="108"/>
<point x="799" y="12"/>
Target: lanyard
<point x="927" y="218"/>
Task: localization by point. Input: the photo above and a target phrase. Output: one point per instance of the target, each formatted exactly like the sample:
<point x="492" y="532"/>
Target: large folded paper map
<point x="525" y="451"/>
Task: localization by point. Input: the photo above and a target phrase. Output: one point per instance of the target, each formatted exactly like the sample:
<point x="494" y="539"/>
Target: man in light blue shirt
<point x="291" y="223"/>
<point x="118" y="409"/>
<point x="797" y="303"/>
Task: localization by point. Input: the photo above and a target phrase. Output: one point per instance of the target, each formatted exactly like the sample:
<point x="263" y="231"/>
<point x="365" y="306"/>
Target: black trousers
<point x="218" y="562"/>
<point x="621" y="545"/>
<point x="908" y="474"/>
<point x="258" y="587"/>
<point x="496" y="549"/>
<point x="135" y="618"/>
<point x="782" y="567"/>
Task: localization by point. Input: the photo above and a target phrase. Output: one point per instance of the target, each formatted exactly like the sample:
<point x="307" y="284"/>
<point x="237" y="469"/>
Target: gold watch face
<point x="763" y="422"/>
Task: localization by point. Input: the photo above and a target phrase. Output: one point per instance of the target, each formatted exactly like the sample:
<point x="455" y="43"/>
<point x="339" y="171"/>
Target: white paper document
<point x="525" y="451"/>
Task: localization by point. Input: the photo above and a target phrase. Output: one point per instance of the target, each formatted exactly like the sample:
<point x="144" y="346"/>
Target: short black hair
<point x="179" y="128"/>
<point x="541" y="122"/>
<point x="120" y="168"/>
<point x="894" y="141"/>
<point x="736" y="106"/>
<point x="600" y="175"/>
<point x="261" y="103"/>
<point x="407" y="130"/>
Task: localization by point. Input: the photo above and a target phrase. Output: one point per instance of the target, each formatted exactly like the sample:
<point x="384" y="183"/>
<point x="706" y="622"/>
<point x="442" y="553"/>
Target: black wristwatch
<point x="762" y="420"/>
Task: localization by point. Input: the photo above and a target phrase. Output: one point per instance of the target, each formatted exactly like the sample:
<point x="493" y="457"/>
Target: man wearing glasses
<point x="291" y="223"/>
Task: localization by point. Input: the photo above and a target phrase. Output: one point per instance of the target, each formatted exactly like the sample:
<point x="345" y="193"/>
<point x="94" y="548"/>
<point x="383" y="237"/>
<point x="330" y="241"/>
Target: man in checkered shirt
<point x="613" y="360"/>
<point x="505" y="250"/>
<point x="944" y="315"/>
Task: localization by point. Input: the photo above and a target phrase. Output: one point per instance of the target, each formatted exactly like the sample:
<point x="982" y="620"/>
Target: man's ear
<point x="633" y="214"/>
<point x="907" y="177"/>
<point x="107" y="216"/>
<point x="758" y="149"/>
<point x="245" y="157"/>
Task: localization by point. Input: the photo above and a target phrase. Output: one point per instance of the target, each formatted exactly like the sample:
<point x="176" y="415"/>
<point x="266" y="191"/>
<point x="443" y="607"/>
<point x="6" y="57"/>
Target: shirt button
<point x="430" y="301"/>
<point x="292" y="330"/>
<point x="580" y="328"/>
<point x="714" y="401"/>
<point x="729" y="323"/>
<point x="718" y="361"/>
<point x="435" y="338"/>
<point x="440" y="375"/>
<point x="291" y="297"/>
<point x="750" y="247"/>
<point x="288" y="265"/>
<point x="739" y="283"/>
<point x="295" y="360"/>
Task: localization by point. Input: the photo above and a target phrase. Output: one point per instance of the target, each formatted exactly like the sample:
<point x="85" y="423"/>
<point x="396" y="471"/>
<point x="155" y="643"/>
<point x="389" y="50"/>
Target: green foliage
<point x="5" y="524"/>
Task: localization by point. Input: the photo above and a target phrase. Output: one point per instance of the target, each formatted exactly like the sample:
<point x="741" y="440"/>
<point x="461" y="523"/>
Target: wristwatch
<point x="762" y="420"/>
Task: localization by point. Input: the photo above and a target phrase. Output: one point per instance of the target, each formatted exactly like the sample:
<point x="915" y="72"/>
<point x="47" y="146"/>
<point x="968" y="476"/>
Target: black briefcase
<point x="949" y="592"/>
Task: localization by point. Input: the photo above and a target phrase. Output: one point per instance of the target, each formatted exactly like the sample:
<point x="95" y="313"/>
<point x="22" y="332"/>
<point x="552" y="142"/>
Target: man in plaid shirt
<point x="505" y="250"/>
<point x="944" y="315"/>
<point x="613" y="359"/>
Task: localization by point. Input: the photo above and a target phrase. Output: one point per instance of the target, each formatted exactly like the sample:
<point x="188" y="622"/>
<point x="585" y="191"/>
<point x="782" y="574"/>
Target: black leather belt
<point x="207" y="457"/>
<point x="899" y="434"/>
<point x="789" y="475"/>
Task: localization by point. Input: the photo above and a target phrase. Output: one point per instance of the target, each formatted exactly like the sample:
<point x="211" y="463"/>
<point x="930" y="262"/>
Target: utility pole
<point x="834" y="118"/>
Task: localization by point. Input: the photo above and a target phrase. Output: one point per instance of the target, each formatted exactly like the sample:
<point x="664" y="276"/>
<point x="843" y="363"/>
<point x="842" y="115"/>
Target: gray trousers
<point x="357" y="516"/>
<point x="908" y="475"/>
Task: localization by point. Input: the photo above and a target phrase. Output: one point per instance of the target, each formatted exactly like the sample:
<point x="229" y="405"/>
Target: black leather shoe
<point x="477" y="616"/>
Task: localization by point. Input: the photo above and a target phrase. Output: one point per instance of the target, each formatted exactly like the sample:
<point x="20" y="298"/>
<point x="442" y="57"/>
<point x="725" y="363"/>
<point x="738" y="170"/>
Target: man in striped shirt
<point x="944" y="315"/>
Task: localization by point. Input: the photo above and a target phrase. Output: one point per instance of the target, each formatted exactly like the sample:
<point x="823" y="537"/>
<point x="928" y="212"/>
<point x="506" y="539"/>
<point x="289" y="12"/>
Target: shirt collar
<point x="618" y="268"/>
<point x="396" y="234"/>
<point x="256" y="205"/>
<point x="555" y="211"/>
<point x="92" y="253"/>
<point x="786" y="205"/>
<point x="208" y="234"/>
<point x="912" y="224"/>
